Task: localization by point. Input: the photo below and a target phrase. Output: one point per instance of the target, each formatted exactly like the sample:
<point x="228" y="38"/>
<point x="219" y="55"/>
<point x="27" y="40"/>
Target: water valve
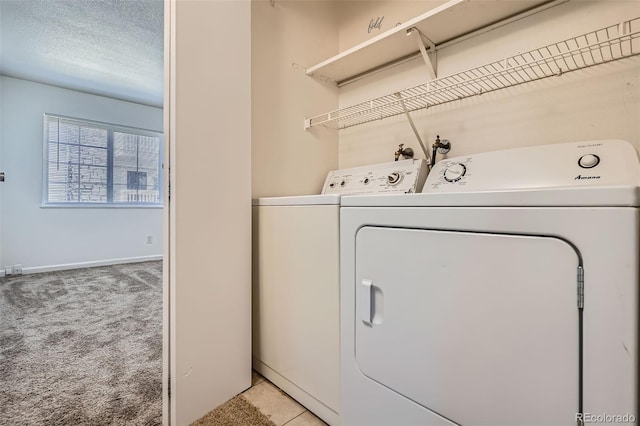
<point x="439" y="146"/>
<point x="404" y="152"/>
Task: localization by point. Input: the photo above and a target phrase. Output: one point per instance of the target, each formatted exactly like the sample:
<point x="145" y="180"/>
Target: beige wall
<point x="355" y="17"/>
<point x="285" y="38"/>
<point x="210" y="209"/>
<point x="600" y="102"/>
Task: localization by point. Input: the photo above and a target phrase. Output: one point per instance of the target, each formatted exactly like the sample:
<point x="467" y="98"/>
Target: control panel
<point x="591" y="163"/>
<point x="405" y="176"/>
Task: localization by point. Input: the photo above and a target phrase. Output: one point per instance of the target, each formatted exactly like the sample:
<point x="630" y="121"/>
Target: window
<point x="98" y="164"/>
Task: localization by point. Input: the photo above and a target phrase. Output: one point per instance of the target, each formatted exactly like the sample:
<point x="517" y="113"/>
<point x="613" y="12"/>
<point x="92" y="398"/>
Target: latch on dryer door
<point x="1" y="176"/>
<point x="370" y="303"/>
<point x="365" y="302"/>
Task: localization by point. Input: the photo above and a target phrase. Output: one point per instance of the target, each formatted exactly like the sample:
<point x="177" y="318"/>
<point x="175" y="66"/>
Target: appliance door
<point x="479" y="328"/>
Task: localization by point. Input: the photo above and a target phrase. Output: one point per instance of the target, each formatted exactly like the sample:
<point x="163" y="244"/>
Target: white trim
<point x="99" y="206"/>
<point x="168" y="212"/>
<point x="49" y="268"/>
<point x="108" y="126"/>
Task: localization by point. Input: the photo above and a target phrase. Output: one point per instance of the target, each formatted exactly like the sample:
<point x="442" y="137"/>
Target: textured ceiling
<point x="112" y="48"/>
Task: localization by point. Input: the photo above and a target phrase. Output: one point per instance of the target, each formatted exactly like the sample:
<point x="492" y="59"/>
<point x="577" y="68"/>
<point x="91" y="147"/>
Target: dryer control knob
<point x="588" y="161"/>
<point x="455" y="172"/>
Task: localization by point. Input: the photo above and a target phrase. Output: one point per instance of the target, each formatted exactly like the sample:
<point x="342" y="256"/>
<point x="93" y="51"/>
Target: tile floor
<point x="277" y="405"/>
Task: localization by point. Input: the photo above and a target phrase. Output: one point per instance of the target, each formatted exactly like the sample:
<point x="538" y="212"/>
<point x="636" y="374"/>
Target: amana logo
<point x="580" y="177"/>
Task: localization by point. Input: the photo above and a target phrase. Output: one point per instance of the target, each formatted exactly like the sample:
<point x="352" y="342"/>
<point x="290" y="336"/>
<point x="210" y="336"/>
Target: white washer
<point x="505" y="294"/>
<point x="296" y="281"/>
<point x="296" y="298"/>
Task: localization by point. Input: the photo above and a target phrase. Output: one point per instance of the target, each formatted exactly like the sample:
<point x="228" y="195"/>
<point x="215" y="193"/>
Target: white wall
<point x="286" y="38"/>
<point x="50" y="238"/>
<point x="600" y="102"/>
<point x="209" y="105"/>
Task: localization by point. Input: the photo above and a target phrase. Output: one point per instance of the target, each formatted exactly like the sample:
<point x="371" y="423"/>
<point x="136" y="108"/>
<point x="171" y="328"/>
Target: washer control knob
<point x="589" y="161"/>
<point x="455" y="172"/>
<point x="393" y="178"/>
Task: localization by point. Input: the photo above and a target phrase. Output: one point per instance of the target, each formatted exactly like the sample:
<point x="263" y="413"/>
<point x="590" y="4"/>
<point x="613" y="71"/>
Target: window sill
<point x="100" y="206"/>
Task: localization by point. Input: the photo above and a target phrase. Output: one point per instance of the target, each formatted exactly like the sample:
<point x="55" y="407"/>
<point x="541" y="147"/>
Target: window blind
<point x="91" y="163"/>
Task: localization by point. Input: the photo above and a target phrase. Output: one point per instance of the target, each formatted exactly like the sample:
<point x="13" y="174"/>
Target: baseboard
<point x="49" y="268"/>
<point x="306" y="400"/>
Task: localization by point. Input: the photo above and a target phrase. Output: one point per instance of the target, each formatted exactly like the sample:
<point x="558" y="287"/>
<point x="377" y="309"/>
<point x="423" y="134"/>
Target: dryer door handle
<point x="365" y="299"/>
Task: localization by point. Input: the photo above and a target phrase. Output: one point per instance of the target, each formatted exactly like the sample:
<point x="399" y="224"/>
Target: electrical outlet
<point x="17" y="269"/>
<point x="8" y="270"/>
<point x="149" y="239"/>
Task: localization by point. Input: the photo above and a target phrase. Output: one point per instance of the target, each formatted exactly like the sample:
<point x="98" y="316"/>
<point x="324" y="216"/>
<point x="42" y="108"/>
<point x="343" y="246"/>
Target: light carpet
<point x="82" y="347"/>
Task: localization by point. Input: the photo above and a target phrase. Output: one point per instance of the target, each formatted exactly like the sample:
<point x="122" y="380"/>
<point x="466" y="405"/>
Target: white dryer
<point x="504" y="294"/>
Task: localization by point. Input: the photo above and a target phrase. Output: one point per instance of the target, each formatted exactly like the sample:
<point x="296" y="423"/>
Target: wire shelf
<point x="594" y="48"/>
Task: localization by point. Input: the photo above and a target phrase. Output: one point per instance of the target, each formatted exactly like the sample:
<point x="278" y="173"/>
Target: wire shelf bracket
<point x="429" y="57"/>
<point x="604" y="45"/>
